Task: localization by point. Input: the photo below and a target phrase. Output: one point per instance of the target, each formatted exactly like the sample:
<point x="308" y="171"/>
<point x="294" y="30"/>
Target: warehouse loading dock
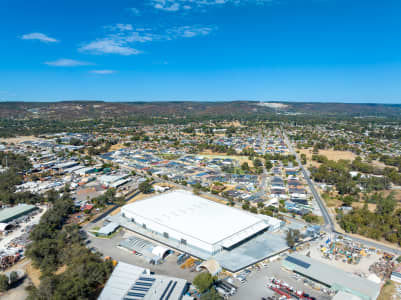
<point x="204" y="229"/>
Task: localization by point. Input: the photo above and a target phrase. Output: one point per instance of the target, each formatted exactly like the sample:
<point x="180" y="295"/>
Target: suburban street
<point x="329" y="224"/>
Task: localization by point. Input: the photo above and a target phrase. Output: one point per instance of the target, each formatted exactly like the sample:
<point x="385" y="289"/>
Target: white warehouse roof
<point x="196" y="217"/>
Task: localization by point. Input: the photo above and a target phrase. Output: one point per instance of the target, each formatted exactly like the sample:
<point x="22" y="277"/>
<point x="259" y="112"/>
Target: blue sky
<point x="214" y="50"/>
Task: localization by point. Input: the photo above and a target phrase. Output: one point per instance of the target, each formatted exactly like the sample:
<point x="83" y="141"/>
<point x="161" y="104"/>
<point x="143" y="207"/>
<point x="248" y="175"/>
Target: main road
<point x="329" y="224"/>
<point x="327" y="219"/>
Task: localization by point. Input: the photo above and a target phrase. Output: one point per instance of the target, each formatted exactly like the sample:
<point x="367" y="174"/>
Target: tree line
<point x="56" y="244"/>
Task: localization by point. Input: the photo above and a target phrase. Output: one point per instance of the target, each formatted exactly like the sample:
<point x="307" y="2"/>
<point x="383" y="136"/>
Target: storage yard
<point x="14" y="241"/>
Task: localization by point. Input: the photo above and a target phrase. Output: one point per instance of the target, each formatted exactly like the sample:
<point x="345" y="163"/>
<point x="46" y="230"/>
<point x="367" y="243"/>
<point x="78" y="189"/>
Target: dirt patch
<point x="233" y="123"/>
<point x="239" y="158"/>
<point x="117" y="147"/>
<point x="371" y="206"/>
<point x="61" y="270"/>
<point x="18" y="139"/>
<point x="378" y="164"/>
<point x="396" y="194"/>
<point x="34" y="274"/>
<point x="210" y="197"/>
<point x="330" y="154"/>
<point x="387" y="291"/>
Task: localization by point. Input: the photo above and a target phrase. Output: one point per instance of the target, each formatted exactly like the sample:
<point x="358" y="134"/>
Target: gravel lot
<point x="256" y="285"/>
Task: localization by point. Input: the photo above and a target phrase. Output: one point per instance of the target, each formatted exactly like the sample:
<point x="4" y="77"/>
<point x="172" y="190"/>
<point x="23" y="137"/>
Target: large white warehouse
<point x="192" y="221"/>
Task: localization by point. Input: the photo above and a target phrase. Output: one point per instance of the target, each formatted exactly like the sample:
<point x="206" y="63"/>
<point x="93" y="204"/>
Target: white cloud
<point x="176" y="5"/>
<point x="39" y="36"/>
<point x="109" y="45"/>
<point x="166" y="5"/>
<point x="189" y="31"/>
<point x="120" y="27"/>
<point x="121" y="38"/>
<point x="65" y="62"/>
<point x="103" y="72"/>
<point x="135" y="11"/>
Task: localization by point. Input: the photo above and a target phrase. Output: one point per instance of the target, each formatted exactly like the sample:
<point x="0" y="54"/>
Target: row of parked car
<point x="225" y="288"/>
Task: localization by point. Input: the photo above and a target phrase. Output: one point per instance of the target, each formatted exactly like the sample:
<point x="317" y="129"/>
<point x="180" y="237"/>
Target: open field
<point x="371" y="206"/>
<point x="330" y="154"/>
<point x="379" y="164"/>
<point x="18" y="139"/>
<point x="117" y="147"/>
<point x="234" y="124"/>
<point x="241" y="159"/>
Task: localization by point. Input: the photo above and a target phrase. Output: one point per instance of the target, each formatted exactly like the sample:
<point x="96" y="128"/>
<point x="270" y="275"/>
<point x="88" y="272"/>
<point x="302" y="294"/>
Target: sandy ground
<point x="18" y="139"/>
<point x="210" y="197"/>
<point x="241" y="159"/>
<point x="117" y="147"/>
<point x="378" y="164"/>
<point x="397" y="194"/>
<point x="371" y="206"/>
<point x="33" y="273"/>
<point x="233" y="123"/>
<point x="390" y="291"/>
<point x="330" y="154"/>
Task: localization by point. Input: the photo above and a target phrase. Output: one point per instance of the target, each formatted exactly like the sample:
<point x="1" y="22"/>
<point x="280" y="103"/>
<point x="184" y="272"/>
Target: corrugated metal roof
<point x="9" y="213"/>
<point x="108" y="229"/>
<point x="192" y="216"/>
<point x="334" y="277"/>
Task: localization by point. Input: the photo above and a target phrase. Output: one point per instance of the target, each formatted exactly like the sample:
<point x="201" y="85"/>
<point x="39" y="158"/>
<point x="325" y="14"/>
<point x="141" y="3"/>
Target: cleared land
<point x="241" y="159"/>
<point x="330" y="154"/>
<point x="387" y="291"/>
<point x="117" y="147"/>
<point x="18" y="139"/>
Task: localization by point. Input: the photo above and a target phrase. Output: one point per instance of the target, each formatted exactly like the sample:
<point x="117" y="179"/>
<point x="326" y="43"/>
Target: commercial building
<point x="332" y="277"/>
<point x="396" y="275"/>
<point x="108" y="180"/>
<point x="12" y="213"/>
<point x="180" y="220"/>
<point x="63" y="167"/>
<point x="108" y="229"/>
<point x="129" y="282"/>
<point x="195" y="222"/>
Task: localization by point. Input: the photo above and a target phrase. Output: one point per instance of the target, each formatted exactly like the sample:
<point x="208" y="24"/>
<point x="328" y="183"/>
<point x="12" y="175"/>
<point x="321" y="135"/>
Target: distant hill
<point x="74" y="110"/>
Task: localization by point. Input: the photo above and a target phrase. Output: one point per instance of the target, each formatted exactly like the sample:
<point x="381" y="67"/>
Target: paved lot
<point x="248" y="253"/>
<point x="256" y="285"/>
<point x="109" y="248"/>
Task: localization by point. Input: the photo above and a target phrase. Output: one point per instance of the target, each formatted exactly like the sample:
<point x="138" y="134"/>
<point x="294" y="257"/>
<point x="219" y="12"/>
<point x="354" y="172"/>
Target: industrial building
<point x="12" y="213"/>
<point x="342" y="282"/>
<point x="129" y="282"/>
<point x="108" y="229"/>
<point x="195" y="222"/>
